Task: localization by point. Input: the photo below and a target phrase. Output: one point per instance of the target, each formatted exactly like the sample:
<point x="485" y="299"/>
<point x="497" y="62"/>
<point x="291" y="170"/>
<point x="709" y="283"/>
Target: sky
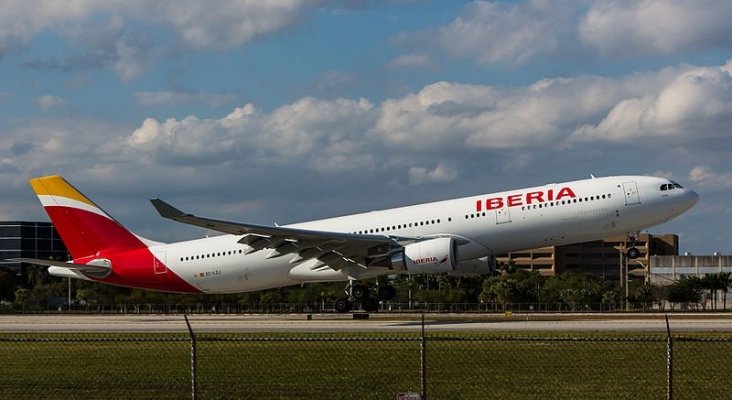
<point x="291" y="110"/>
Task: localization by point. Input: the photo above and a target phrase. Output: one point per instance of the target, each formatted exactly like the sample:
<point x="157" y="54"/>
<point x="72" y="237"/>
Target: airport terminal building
<point x="599" y="257"/>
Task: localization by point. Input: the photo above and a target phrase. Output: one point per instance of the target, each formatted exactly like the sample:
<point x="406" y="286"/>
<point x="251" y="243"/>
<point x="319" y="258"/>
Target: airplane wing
<point x="334" y="249"/>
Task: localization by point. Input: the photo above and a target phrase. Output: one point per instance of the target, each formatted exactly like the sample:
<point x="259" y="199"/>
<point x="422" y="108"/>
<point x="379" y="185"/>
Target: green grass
<point x="460" y="365"/>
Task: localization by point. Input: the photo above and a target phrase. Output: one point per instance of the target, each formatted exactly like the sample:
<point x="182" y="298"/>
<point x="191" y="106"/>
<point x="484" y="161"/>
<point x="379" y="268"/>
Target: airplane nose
<point x="692" y="196"/>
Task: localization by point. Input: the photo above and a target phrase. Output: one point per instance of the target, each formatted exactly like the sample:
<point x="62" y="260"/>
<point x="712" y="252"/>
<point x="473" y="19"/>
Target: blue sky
<point x="300" y="109"/>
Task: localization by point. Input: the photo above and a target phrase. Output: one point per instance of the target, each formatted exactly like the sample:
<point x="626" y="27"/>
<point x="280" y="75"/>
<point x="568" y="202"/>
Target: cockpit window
<point x="676" y="185"/>
<point x="664" y="187"/>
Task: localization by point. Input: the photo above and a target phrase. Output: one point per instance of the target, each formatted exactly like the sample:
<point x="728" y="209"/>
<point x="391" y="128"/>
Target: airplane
<point x="457" y="236"/>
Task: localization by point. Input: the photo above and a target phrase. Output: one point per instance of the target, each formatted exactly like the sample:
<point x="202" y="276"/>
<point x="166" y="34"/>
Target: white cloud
<point x="102" y="30"/>
<point x="440" y="174"/>
<point x="403" y="137"/>
<point x="663" y="174"/>
<point x="697" y="101"/>
<point x="322" y="134"/>
<point x="21" y="20"/>
<point x="708" y="179"/>
<point x="656" y="26"/>
<point x="504" y="32"/>
<point x="411" y="61"/>
<point x="514" y="32"/>
<point x="451" y="120"/>
<point x="232" y="23"/>
<point x="48" y="102"/>
<point x="170" y="98"/>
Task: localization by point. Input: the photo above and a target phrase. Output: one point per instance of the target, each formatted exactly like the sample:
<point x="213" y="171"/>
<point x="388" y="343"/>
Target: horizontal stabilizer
<point x="95" y="270"/>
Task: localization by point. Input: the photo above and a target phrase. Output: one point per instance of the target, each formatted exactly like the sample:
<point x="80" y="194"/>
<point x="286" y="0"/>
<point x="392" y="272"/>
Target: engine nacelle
<point x="428" y="257"/>
<point x="476" y="266"/>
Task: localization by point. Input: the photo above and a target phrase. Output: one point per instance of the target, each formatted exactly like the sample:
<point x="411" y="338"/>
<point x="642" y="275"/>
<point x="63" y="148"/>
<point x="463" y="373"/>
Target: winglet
<point x="166" y="210"/>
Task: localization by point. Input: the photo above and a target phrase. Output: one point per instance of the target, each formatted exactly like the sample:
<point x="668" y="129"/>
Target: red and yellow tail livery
<point x="102" y="249"/>
<point x="84" y="227"/>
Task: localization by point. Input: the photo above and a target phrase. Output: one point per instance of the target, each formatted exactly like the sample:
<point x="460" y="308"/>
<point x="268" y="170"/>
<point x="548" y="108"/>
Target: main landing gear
<point x="358" y="293"/>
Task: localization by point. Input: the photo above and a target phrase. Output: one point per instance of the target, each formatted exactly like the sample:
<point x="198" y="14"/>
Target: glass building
<point x="29" y="239"/>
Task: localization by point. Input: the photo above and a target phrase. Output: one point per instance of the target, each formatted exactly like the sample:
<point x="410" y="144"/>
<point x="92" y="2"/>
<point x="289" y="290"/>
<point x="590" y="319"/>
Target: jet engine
<point x="476" y="266"/>
<point x="427" y="257"/>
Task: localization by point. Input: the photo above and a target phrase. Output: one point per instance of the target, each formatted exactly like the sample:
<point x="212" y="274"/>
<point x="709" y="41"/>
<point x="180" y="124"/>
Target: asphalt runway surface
<point x="377" y="323"/>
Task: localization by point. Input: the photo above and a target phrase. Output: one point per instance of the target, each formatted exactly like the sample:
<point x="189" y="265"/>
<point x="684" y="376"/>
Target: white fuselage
<point x="485" y="225"/>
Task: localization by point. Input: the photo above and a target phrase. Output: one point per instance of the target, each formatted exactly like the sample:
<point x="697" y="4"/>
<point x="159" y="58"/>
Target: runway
<point x="377" y="323"/>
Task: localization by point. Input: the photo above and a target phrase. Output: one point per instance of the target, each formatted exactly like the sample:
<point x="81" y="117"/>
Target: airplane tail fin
<point x="84" y="227"/>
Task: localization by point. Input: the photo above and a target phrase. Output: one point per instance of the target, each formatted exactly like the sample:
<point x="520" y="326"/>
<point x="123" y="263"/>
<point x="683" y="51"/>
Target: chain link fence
<point x="364" y="366"/>
<point x="385" y="307"/>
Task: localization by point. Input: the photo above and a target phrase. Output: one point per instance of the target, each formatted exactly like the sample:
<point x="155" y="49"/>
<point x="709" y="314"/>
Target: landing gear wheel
<point x="342" y="305"/>
<point x="633" y="253"/>
<point x="370" y="305"/>
<point x="360" y="292"/>
<point x="385" y="292"/>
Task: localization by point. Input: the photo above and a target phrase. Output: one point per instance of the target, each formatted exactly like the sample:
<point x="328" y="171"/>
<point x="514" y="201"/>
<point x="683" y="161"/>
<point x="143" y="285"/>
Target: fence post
<point x="193" y="358"/>
<point x="669" y="362"/>
<point x="423" y="364"/>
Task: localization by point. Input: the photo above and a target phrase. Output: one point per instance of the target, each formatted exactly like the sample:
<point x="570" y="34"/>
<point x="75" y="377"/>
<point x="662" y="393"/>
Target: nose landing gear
<point x="632" y="252"/>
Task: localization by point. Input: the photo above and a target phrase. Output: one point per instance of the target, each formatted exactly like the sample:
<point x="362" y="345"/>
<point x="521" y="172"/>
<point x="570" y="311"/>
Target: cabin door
<point x="503" y="215"/>
<point x="159" y="262"/>
<point x="631" y="194"/>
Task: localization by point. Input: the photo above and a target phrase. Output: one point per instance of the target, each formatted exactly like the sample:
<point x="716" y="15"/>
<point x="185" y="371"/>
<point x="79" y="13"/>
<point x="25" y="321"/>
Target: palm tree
<point x="715" y="282"/>
<point x="725" y="280"/>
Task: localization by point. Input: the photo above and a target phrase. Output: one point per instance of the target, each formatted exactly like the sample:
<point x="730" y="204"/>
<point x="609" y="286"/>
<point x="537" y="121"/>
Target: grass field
<point x="361" y="366"/>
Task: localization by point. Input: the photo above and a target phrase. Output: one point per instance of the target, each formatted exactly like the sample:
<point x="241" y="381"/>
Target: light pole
<point x="623" y="270"/>
<point x="646" y="272"/>
<point x="626" y="282"/>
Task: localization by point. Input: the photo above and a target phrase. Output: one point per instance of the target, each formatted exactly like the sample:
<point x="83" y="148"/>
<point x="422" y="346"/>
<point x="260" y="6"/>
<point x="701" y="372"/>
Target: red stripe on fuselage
<point x="136" y="269"/>
<point x="89" y="236"/>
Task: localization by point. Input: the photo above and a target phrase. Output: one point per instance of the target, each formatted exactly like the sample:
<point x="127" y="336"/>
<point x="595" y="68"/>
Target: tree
<point x="716" y="282"/>
<point x="685" y="291"/>
<point x="725" y="281"/>
<point x="645" y="293"/>
<point x="22" y="296"/>
<point x="270" y="297"/>
<point x="572" y="288"/>
<point x="519" y="286"/>
<point x="7" y="284"/>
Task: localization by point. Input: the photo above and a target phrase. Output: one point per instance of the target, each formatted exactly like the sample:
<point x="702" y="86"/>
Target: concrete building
<point x="664" y="270"/>
<point x="29" y="239"/>
<point x="600" y="257"/>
